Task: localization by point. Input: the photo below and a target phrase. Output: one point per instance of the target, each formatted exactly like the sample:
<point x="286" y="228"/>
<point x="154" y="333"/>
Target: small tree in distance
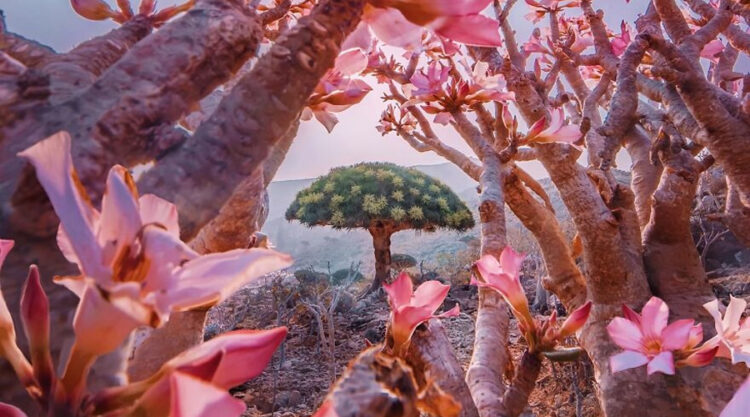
<point x="384" y="199"/>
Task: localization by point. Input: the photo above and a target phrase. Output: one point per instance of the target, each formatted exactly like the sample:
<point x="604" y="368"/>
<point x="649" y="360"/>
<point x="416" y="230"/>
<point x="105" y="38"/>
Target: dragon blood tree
<point x="383" y="199"/>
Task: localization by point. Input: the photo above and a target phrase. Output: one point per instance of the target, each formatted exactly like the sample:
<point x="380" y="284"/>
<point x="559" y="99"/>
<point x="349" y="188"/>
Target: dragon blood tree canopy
<point x="382" y="198"/>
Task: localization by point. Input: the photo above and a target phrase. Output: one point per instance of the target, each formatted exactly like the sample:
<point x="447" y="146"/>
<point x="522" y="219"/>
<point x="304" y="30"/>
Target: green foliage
<point x="357" y="196"/>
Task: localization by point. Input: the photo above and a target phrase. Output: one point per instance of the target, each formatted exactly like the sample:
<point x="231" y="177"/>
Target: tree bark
<point x="240" y="134"/>
<point x="564" y="278"/>
<point x="26" y="51"/>
<point x="432" y="358"/>
<point x="381" y="241"/>
<point x="73" y="71"/>
<point x="672" y="262"/>
<point x="121" y="117"/>
<point x="182" y="331"/>
<point x="516" y="398"/>
<point x="615" y="276"/>
<point x="489" y="358"/>
<point x="737" y="215"/>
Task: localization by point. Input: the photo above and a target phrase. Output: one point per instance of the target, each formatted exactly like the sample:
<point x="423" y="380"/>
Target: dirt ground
<point x="298" y="378"/>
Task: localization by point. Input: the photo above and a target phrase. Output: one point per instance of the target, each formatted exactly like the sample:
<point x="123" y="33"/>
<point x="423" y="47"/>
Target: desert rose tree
<point x="384" y="199"/>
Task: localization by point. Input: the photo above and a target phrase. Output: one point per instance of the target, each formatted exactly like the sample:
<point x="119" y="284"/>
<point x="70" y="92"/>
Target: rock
<point x="346" y="303"/>
<point x="288" y="398"/>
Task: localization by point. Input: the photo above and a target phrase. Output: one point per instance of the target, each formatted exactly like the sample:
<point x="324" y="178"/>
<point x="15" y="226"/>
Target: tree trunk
<point x="381" y="241"/>
<point x="490" y="356"/>
<point x="615" y="276"/>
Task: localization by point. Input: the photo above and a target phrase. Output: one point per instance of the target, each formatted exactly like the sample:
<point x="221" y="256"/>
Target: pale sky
<point x="314" y="152"/>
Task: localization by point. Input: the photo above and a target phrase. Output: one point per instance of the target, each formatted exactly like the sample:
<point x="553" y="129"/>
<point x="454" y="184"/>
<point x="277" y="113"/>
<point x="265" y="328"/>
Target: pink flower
<point x="647" y="339"/>
<point x="739" y="405"/>
<point x="712" y="50"/>
<point x="484" y="87"/>
<point x="134" y="268"/>
<point x="555" y="132"/>
<point x="542" y="7"/>
<point x="502" y="275"/>
<point x="410" y="308"/>
<point x="400" y="22"/>
<point x="338" y="90"/>
<point x="732" y="332"/>
<point x="429" y="83"/>
<point x="93" y="9"/>
<point x="620" y="42"/>
<point x="99" y="10"/>
<point x="8" y="348"/>
<point x="195" y="382"/>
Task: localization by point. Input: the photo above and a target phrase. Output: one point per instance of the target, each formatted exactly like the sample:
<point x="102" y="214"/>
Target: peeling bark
<point x="375" y="385"/>
<point x="249" y="121"/>
<point x="432" y="358"/>
<point x="615" y="275"/>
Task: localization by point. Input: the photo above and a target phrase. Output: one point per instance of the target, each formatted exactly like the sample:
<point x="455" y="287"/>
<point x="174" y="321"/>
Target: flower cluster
<point x="134" y="271"/>
<point x="100" y="10"/>
<point x="502" y="275"/>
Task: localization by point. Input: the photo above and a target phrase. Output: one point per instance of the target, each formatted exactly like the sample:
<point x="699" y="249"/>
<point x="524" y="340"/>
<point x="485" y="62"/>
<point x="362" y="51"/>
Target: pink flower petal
<point x="631" y="314"/>
<point x="713" y="309"/>
<point x="7" y="410"/>
<point x="511" y="261"/>
<point x="663" y="362"/>
<point x="430" y="295"/>
<point x="209" y="279"/>
<point x="327" y="119"/>
<point x="627" y="360"/>
<point x="360" y="38"/>
<point x="473" y="29"/>
<point x="120" y="217"/>
<point x="576" y="320"/>
<point x="702" y="357"/>
<point x="93" y="9"/>
<point x="625" y="334"/>
<point x="733" y="314"/>
<point x="400" y="291"/>
<point x="677" y="334"/>
<point x="251" y="348"/>
<point x="99" y="325"/>
<point x="6" y="320"/>
<point x="55" y="172"/>
<point x="351" y="61"/>
<point x="654" y="316"/>
<point x="739" y="405"/>
<point x="391" y="27"/>
<point x="154" y="209"/>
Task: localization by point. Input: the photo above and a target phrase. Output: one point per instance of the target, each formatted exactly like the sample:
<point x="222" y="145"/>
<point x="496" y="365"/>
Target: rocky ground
<point x="297" y="380"/>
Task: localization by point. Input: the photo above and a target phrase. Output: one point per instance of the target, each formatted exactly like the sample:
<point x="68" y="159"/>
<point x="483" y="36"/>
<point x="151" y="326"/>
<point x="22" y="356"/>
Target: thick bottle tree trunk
<point x="381" y="241"/>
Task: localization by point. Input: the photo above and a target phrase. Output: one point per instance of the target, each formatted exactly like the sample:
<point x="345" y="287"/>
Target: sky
<point x="314" y="152"/>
